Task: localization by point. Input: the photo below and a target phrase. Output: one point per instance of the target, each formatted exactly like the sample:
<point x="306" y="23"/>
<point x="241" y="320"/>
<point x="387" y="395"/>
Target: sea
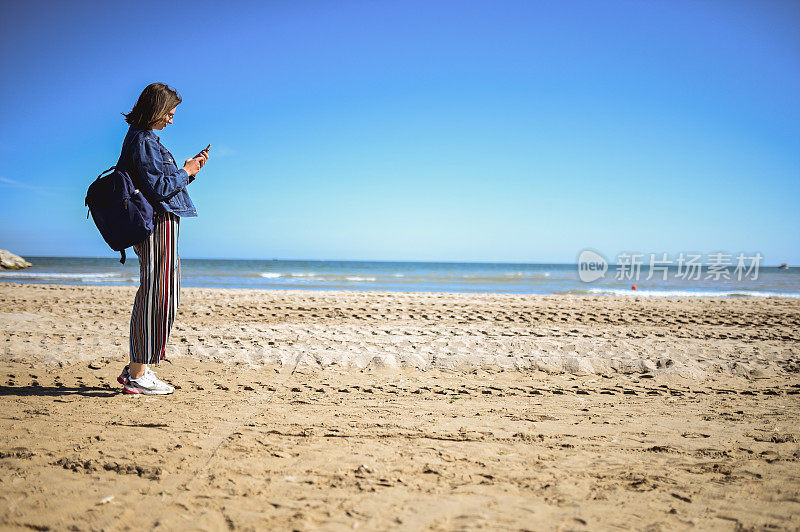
<point x="472" y="277"/>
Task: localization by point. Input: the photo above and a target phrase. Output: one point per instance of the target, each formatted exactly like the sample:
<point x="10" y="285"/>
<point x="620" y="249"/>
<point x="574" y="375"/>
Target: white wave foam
<point x="303" y="274"/>
<point x="56" y="275"/>
<point x="507" y="275"/>
<point x="270" y="275"/>
<point x="117" y="280"/>
<point x="689" y="293"/>
<point x="356" y="278"/>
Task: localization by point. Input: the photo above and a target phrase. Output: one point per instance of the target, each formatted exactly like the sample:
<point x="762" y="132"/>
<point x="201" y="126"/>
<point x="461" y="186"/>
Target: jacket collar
<point x="147" y="132"/>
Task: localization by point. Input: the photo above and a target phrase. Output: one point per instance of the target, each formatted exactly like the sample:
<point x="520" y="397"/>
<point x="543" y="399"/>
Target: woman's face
<point x="168" y="120"/>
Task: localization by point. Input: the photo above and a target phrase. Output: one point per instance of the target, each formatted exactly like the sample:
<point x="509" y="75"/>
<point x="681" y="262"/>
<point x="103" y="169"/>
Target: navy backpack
<point x="119" y="209"/>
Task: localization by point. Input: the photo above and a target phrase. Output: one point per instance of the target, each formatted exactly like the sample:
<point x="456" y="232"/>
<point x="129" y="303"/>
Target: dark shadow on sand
<point x="58" y="391"/>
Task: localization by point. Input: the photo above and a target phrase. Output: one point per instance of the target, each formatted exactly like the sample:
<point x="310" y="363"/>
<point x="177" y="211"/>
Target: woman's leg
<point x="158" y="296"/>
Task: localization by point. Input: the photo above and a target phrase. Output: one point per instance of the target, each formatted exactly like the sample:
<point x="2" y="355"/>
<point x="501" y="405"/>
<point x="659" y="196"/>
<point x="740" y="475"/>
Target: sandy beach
<point x="377" y="410"/>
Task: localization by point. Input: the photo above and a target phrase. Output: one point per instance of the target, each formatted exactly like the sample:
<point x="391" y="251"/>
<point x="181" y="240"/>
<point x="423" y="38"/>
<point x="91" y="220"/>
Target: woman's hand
<point x="204" y="155"/>
<point x="193" y="165"/>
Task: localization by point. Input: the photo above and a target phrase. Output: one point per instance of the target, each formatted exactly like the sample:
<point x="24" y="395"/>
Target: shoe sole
<point x="134" y="391"/>
<point x="122" y="380"/>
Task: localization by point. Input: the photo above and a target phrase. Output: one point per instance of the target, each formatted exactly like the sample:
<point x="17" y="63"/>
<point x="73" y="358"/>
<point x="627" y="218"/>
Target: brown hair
<point x="153" y="105"/>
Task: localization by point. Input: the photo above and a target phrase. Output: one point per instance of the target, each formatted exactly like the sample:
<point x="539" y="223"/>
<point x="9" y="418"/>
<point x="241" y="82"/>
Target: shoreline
<point x="419" y="277"/>
<point x="603" y="294"/>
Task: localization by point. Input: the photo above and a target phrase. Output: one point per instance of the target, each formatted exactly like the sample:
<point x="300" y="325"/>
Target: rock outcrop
<point x="9" y="261"/>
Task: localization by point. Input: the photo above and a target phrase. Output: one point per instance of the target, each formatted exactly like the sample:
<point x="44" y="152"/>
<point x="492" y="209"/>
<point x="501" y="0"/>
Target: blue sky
<point x="464" y="131"/>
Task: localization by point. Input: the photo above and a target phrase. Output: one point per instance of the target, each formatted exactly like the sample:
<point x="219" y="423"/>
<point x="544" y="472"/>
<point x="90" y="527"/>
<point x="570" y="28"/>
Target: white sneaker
<point x="126" y="374"/>
<point x="147" y="384"/>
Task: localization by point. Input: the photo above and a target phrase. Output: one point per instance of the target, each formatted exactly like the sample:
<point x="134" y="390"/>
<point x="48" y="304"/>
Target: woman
<point x="152" y="169"/>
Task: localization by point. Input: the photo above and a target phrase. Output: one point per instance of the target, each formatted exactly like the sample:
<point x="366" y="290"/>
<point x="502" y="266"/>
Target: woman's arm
<point x="156" y="184"/>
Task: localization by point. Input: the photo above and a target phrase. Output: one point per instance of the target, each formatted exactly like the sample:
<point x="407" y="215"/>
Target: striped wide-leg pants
<point x="159" y="290"/>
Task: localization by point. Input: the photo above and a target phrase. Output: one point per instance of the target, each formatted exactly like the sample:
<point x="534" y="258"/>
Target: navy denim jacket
<point x="152" y="168"/>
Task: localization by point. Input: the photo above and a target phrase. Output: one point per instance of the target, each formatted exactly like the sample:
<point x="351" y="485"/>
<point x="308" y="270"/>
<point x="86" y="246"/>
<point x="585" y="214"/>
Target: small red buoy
<point x="633" y="287"/>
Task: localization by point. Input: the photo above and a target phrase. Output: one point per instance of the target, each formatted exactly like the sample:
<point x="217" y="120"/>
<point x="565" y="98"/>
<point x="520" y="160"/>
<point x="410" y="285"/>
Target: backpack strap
<point x="125" y="145"/>
<point x="107" y="171"/>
